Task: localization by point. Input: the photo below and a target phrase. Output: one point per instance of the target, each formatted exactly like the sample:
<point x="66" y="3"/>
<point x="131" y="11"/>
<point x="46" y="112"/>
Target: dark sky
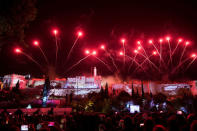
<point x="103" y="21"/>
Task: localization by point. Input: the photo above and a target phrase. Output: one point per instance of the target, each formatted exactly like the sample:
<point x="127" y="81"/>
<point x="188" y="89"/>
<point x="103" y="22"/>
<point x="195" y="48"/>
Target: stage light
<point x="94" y="52"/>
<point x="36" y="43"/>
<point x="17" y="50"/>
<point x="120" y="53"/>
<point x="87" y="52"/>
<point x="154" y="52"/>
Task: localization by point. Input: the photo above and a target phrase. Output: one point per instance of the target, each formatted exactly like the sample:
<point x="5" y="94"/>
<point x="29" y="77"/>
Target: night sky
<point x="101" y="22"/>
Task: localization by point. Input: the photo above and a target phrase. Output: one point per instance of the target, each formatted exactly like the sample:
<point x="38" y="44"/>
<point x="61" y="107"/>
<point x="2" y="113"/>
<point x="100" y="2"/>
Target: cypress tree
<point x="142" y="88"/>
<point x="133" y="92"/>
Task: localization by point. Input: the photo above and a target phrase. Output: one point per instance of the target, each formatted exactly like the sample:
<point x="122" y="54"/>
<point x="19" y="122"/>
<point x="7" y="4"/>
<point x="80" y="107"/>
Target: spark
<point x="154" y="52"/>
<point x="94" y="53"/>
<point x="150" y="41"/>
<point x="87" y="52"/>
<point x="17" y="50"/>
<point x="80" y="34"/>
<point x="121" y="53"/>
<point x="102" y="47"/>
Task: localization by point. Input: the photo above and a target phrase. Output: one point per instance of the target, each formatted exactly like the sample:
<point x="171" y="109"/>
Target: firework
<point x="36" y="43"/>
<point x="103" y="48"/>
<point x="79" y="34"/>
<point x="18" y="50"/>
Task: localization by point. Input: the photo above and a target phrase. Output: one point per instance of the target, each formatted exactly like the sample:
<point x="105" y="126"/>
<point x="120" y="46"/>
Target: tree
<point x="15" y="16"/>
<point x="133" y="92"/>
<point x="142" y="88"/>
<point x="137" y="94"/>
<point x="16" y="88"/>
<point x="151" y="95"/>
<point x="106" y="90"/>
<point x="45" y="91"/>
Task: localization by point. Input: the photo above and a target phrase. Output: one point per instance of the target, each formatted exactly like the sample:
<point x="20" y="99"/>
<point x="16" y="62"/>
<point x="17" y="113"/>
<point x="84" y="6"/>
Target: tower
<point x="95" y="72"/>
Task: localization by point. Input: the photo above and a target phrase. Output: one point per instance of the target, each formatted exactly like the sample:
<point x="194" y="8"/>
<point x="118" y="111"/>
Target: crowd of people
<point x="78" y="121"/>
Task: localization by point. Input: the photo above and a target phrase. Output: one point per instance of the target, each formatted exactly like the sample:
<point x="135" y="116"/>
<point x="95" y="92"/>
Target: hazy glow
<point x="187" y="43"/>
<point x="167" y="38"/>
<point x="94" y="52"/>
<point x="180" y="40"/>
<point x="87" y="51"/>
<point x="36" y="43"/>
<point x="123" y="40"/>
<point x="121" y="53"/>
<point x="55" y="31"/>
<point x="17" y="50"/>
<point x="135" y="51"/>
<point x="154" y="52"/>
<point x="79" y="34"/>
<point x="139" y="47"/>
<point x="193" y="55"/>
<point x="102" y="47"/>
<point x="138" y="42"/>
<point x="160" y="40"/>
<point x="150" y="41"/>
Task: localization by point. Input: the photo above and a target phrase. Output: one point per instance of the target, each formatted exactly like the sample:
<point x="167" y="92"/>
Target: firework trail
<point x="142" y="63"/>
<point x="135" y="62"/>
<point x="104" y="63"/>
<point x="112" y="60"/>
<point x="132" y="62"/>
<point x="190" y="64"/>
<point x="31" y="58"/>
<point x="43" y="55"/>
<point x="151" y="62"/>
<point x="182" y="53"/>
<point x="72" y="49"/>
<point x="170" y="51"/>
<point x="180" y="64"/>
<point x="77" y="63"/>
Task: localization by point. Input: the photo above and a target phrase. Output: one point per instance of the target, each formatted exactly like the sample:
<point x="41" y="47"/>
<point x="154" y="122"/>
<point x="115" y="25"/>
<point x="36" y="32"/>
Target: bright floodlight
<point x="167" y="38"/>
<point x="102" y="47"/>
<point x="139" y="47"/>
<point x="154" y="52"/>
<point x="121" y="53"/>
<point x="180" y="40"/>
<point x="160" y="40"/>
<point x="87" y="52"/>
<point x="123" y="40"/>
<point x="55" y="31"/>
<point x="136" y="51"/>
<point x="36" y="43"/>
<point x="138" y="42"/>
<point x="79" y="33"/>
<point x="193" y="55"/>
<point x="94" y="52"/>
<point x="150" y="41"/>
<point x="17" y="50"/>
<point x="187" y="43"/>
